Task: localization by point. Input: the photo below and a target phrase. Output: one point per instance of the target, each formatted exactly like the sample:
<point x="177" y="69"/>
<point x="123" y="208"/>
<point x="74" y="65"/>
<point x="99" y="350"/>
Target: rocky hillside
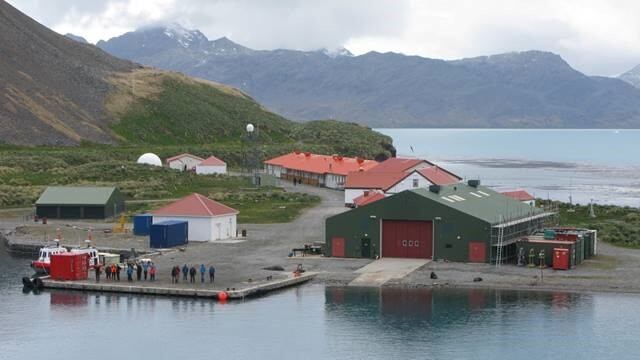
<point x="525" y="89"/>
<point x="60" y="91"/>
<point x="53" y="88"/>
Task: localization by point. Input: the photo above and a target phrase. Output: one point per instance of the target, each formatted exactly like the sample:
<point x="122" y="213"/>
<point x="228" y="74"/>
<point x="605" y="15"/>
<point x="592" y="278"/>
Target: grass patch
<point x="24" y="173"/>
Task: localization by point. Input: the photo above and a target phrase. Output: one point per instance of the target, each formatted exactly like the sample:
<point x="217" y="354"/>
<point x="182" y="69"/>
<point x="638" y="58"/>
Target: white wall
<point x="407" y="183"/>
<point x="350" y="194"/>
<point x="223" y="227"/>
<point x="273" y="170"/>
<point x="211" y="169"/>
<point x="334" y="181"/>
<point x="206" y="228"/>
<point x="178" y="164"/>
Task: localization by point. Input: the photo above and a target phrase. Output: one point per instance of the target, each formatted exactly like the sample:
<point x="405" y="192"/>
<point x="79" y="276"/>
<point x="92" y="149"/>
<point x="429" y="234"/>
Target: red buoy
<point x="223" y="296"/>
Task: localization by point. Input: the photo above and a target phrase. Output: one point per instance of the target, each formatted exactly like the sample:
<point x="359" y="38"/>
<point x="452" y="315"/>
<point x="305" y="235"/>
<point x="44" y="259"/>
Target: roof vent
<point x="434" y="188"/>
<point x="360" y="160"/>
<point x="307" y="154"/>
<point x="473" y="183"/>
<point x="297" y="152"/>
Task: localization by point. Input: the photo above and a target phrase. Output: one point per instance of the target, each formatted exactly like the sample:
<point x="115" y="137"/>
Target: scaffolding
<point x="507" y="231"/>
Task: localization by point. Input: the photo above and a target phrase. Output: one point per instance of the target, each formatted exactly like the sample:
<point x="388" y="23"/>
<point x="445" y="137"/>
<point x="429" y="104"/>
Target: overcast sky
<point x="597" y="37"/>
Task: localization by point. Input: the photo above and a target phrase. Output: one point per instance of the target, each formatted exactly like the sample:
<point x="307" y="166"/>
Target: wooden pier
<point x="251" y="291"/>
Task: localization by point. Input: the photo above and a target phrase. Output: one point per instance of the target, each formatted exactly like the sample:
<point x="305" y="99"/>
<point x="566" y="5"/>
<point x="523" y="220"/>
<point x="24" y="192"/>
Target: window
<point x="416" y="183"/>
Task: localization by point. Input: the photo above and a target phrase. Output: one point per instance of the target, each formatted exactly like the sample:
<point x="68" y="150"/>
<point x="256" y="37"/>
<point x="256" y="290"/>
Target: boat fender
<point x="26" y="281"/>
<point x="38" y="283"/>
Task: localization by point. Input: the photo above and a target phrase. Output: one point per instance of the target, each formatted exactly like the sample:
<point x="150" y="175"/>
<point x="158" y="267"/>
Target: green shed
<point x="459" y="222"/>
<point x="76" y="202"/>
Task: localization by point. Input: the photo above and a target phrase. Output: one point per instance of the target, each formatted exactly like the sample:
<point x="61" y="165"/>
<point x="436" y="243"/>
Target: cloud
<point x="595" y="36"/>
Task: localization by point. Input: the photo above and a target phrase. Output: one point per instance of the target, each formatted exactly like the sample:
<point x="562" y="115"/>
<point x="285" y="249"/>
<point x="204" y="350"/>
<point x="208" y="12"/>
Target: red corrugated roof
<point x="195" y="205"/>
<point x="397" y="164"/>
<point x="183" y="155"/>
<point x="439" y="176"/>
<point x="368" y="198"/>
<point x="212" y="161"/>
<point x="373" y="180"/>
<point x="520" y="195"/>
<point x="321" y="164"/>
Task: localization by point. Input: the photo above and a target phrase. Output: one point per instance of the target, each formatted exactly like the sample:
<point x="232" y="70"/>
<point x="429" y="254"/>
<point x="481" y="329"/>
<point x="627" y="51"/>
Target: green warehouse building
<point x="75" y="202"/>
<point x="459" y="222"/>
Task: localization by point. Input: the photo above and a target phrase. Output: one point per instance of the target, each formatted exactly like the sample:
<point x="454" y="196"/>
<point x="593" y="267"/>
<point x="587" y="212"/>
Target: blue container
<point x="142" y="224"/>
<point x="169" y="233"/>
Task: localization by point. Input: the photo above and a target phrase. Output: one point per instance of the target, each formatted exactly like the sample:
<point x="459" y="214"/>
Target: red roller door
<point x="337" y="247"/>
<point x="407" y="239"/>
<point x="477" y="252"/>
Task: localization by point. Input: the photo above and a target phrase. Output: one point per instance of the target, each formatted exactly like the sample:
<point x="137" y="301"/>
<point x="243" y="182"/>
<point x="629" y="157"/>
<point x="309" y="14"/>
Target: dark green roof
<point x="75" y="195"/>
<point x="480" y="202"/>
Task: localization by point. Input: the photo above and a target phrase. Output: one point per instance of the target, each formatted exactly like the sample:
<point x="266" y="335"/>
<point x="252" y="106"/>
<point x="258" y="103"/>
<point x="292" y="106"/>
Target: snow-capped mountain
<point x="632" y="76"/>
<point x="516" y="89"/>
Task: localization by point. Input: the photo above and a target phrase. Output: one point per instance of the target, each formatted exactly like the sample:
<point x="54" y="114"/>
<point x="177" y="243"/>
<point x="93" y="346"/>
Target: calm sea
<point x="581" y="165"/>
<point x="314" y="322"/>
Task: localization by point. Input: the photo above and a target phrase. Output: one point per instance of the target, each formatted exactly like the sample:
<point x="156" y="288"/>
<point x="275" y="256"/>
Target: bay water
<point x="581" y="166"/>
<point x="316" y="322"/>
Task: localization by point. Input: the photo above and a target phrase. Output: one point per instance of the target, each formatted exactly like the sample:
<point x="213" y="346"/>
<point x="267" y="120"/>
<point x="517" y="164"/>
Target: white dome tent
<point x="150" y="159"/>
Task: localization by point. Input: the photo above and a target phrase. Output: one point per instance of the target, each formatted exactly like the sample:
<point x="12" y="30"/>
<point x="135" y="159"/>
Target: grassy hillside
<point x="168" y="109"/>
<point x="161" y="109"/>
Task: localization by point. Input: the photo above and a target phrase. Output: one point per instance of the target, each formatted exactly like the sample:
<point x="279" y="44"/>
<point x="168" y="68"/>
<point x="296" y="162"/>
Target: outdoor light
<point x="250" y="128"/>
<point x="438" y="218"/>
<point x="372" y="216"/>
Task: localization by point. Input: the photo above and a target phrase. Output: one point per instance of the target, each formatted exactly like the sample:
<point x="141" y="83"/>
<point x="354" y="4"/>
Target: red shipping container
<point x="69" y="266"/>
<point x="560" y="259"/>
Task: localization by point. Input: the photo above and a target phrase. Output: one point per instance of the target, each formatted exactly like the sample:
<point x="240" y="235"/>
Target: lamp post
<point x="253" y="153"/>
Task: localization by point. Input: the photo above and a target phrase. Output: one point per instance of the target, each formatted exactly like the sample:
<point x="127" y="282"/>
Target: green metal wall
<point x="453" y="230"/>
<point x="115" y="204"/>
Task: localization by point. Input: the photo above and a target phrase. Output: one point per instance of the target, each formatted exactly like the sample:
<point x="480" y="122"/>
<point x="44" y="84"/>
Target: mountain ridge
<point x="519" y="89"/>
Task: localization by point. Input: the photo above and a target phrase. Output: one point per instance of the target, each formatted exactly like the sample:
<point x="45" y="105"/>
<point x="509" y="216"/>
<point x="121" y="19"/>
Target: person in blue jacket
<point x="129" y="273"/>
<point x="185" y="272"/>
<point x="202" y="271"/>
<point x="212" y="274"/>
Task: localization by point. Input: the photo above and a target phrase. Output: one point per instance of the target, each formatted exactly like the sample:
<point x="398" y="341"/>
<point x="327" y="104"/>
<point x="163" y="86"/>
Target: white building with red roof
<point x="208" y="219"/>
<point x="184" y="162"/>
<point x="313" y="169"/>
<point x="395" y="175"/>
<point x="211" y="165"/>
<point x="521" y="195"/>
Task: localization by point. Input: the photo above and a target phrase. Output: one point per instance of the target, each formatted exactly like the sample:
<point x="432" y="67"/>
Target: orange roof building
<point x="367" y="198"/>
<point x="184" y="162"/>
<point x="395" y="175"/>
<point x="313" y="169"/>
<point x="208" y="219"/>
<point x="521" y="195"/>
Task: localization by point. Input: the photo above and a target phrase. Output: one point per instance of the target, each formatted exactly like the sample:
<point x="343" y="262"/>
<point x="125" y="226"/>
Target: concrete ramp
<point x="380" y="271"/>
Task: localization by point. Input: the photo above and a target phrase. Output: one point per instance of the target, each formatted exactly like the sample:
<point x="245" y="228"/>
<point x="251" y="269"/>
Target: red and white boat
<point x="43" y="264"/>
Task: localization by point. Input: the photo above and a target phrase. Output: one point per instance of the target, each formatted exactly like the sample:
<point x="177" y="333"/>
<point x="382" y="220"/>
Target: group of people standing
<point x="142" y="270"/>
<point x="190" y="273"/>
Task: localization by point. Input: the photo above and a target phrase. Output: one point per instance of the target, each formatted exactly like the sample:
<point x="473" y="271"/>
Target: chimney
<point x="474" y="183"/>
<point x="434" y="188"/>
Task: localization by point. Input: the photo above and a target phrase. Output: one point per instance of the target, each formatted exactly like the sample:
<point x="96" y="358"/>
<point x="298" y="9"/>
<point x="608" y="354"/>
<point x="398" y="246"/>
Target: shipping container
<point x="548" y="247"/>
<point x="69" y="266"/>
<point x="142" y="224"/>
<point x="560" y="259"/>
<point x="169" y="233"/>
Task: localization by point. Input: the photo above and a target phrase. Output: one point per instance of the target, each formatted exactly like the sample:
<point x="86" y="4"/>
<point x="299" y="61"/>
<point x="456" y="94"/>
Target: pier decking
<point x="250" y="291"/>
